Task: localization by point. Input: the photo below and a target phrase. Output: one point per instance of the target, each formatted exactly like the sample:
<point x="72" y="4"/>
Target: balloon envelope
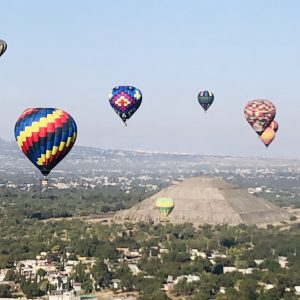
<point x="3" y="47"/>
<point x="165" y="205"/>
<point x="274" y="125"/>
<point x="125" y="100"/>
<point x="259" y="114"/>
<point x="205" y="99"/>
<point x="45" y="136"/>
<point x="268" y="136"/>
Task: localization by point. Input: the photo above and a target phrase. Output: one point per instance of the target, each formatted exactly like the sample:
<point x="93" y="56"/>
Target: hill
<point x="204" y="200"/>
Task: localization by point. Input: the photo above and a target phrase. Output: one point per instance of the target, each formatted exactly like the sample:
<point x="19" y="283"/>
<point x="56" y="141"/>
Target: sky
<point x="69" y="54"/>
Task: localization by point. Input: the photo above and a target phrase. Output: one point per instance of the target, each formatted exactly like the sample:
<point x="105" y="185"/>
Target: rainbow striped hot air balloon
<point x="165" y="205"/>
<point x="45" y="136"/>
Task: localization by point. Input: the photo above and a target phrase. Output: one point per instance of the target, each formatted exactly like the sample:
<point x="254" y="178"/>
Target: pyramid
<point x="204" y="200"/>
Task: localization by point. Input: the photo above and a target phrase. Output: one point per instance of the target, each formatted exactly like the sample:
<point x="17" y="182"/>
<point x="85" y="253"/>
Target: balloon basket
<point x="164" y="220"/>
<point x="44" y="182"/>
<point x="45" y="190"/>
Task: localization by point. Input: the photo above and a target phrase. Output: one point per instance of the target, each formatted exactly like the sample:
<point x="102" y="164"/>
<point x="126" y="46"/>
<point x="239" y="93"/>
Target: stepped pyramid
<point x="205" y="200"/>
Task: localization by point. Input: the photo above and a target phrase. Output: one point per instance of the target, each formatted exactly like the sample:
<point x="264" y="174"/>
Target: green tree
<point x="156" y="295"/>
<point x="217" y="269"/>
<point x="41" y="273"/>
<point x="247" y="289"/>
<point x="232" y="293"/>
<point x="290" y="296"/>
<point x="10" y="276"/>
<point x="87" y="285"/>
<point x="126" y="279"/>
<point x="272" y="294"/>
<point x="184" y="288"/>
<point x="101" y="275"/>
<point x="271" y="264"/>
<point x="31" y="289"/>
<point x="5" y="291"/>
<point x="79" y="273"/>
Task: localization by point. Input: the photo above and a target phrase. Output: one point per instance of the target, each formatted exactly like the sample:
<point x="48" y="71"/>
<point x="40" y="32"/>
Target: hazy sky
<point x="69" y="54"/>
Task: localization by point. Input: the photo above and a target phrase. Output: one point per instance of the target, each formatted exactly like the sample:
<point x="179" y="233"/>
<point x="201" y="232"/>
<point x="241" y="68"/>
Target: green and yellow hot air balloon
<point x="165" y="205"/>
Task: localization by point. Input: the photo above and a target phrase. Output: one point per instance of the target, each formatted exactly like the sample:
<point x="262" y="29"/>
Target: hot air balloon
<point x="45" y="136"/>
<point x="125" y="100"/>
<point x="268" y="136"/>
<point x="259" y="114"/>
<point x="274" y="125"/>
<point x="205" y="99"/>
<point x="3" y="47"/>
<point x="165" y="205"/>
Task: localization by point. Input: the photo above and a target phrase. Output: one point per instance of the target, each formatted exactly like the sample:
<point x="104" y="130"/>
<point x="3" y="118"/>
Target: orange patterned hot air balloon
<point x="268" y="136"/>
<point x="274" y="125"/>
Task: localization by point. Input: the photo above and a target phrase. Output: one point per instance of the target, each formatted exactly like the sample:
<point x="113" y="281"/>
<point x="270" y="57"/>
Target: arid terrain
<point x="204" y="200"/>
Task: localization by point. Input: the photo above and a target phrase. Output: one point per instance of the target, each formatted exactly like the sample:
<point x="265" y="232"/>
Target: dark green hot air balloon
<point x="205" y="99"/>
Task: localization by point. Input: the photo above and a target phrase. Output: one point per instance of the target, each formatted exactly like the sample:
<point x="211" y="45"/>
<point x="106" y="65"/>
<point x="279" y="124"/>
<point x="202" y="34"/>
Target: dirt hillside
<point x="205" y="200"/>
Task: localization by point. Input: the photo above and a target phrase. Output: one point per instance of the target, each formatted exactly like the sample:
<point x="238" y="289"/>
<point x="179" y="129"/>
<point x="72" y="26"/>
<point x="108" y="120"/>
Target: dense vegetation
<point x="53" y="203"/>
<point x="25" y="238"/>
<point x="27" y="230"/>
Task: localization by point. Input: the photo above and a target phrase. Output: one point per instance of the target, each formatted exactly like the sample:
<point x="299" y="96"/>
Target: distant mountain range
<point x="6" y="146"/>
<point x="91" y="162"/>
